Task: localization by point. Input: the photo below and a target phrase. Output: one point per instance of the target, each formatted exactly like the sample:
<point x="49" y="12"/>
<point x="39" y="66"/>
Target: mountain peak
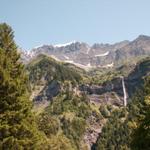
<point x="143" y="37"/>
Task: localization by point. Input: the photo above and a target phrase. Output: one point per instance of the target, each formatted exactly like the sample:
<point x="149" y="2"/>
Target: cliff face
<point x="114" y="85"/>
<point x="136" y="77"/>
<point x="113" y="91"/>
<point x="110" y="92"/>
<point x="48" y="92"/>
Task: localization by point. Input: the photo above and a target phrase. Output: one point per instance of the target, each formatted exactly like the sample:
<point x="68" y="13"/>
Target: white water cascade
<point x="124" y="92"/>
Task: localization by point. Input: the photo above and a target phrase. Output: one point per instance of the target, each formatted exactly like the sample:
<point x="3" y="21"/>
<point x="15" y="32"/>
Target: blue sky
<point x="37" y="22"/>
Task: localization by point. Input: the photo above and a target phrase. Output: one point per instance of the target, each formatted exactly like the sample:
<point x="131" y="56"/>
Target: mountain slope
<point x="68" y="108"/>
<point x="47" y="76"/>
<point x="138" y="48"/>
<point x="68" y="87"/>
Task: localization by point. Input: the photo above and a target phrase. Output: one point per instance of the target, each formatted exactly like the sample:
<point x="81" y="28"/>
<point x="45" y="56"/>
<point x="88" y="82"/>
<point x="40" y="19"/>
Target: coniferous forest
<point x="46" y="104"/>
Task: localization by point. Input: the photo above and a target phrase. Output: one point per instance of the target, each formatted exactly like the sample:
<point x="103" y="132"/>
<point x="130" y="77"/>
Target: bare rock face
<point x="98" y="55"/>
<point x="78" y="53"/>
<point x="109" y="92"/>
<point x="48" y="92"/>
<point x="93" y="131"/>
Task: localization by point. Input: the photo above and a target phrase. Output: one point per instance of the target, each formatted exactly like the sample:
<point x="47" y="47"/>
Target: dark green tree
<point x="17" y="126"/>
<point x="114" y="135"/>
<point x="141" y="134"/>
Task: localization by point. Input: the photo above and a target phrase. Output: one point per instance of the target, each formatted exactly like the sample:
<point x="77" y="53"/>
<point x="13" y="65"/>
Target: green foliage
<point x="129" y="128"/>
<point x="66" y="101"/>
<point x="17" y="126"/>
<point x="74" y="129"/>
<point x="60" y="142"/>
<point x="48" y="124"/>
<point x="104" y="111"/>
<point x="49" y="69"/>
<point x="115" y="133"/>
<point x="141" y="134"/>
<point x="66" y="114"/>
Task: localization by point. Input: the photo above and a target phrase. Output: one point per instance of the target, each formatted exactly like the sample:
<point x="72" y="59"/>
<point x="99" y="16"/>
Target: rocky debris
<point x="95" y="123"/>
<point x="110" y="93"/>
<point x="36" y="91"/>
<point x="93" y="130"/>
<point x="106" y="98"/>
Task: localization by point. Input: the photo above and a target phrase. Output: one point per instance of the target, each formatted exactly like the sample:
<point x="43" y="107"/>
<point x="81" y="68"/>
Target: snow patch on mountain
<point x="108" y="65"/>
<point x="66" y="57"/>
<point x="86" y="67"/>
<point x="69" y="61"/>
<point x="104" y="54"/>
<point x="65" y="44"/>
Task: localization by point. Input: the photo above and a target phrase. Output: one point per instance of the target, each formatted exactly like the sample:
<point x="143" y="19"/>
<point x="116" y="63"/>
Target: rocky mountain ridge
<point x="95" y="56"/>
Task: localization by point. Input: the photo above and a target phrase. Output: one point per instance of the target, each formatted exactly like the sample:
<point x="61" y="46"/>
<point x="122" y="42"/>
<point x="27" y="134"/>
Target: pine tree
<point x="17" y="125"/>
<point x="141" y="135"/>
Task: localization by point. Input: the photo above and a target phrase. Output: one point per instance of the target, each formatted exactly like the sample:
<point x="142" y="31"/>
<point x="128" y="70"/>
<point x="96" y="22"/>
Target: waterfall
<point x="124" y="92"/>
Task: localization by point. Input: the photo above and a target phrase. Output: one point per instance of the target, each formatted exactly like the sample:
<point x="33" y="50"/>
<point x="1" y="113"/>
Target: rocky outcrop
<point x="49" y="91"/>
<point x="114" y="85"/>
<point x="135" y="79"/>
